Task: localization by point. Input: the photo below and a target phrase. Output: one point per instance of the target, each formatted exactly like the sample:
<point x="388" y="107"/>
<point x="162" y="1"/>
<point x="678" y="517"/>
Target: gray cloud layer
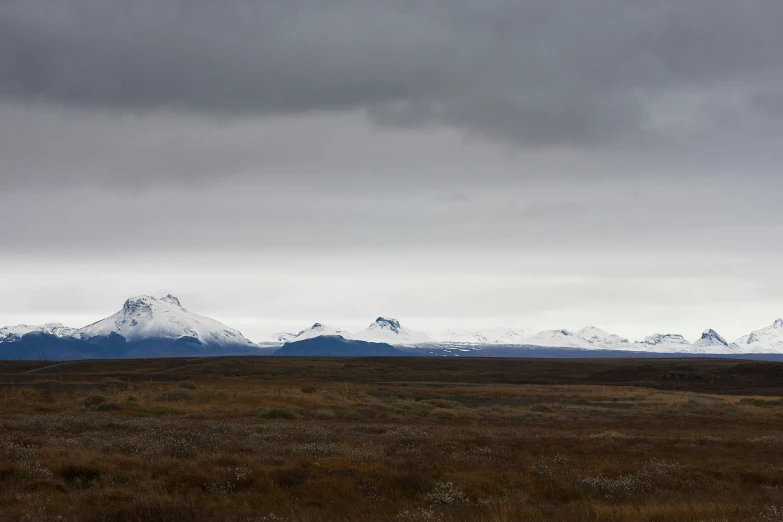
<point x="562" y="72"/>
<point x="533" y="163"/>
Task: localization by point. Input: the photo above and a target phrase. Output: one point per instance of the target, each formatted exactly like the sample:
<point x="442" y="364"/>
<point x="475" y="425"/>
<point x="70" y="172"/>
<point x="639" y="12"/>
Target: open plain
<point x="399" y="439"/>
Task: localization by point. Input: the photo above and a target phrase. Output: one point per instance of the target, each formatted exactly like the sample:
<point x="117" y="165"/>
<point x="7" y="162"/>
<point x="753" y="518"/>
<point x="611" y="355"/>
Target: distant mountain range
<point x="158" y="327"/>
<point x="765" y="340"/>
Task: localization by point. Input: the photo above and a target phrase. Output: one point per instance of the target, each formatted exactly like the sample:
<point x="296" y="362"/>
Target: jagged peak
<point x="141" y="303"/>
<point x="171" y="299"/>
<point x="661" y="338"/>
<point x="392" y="324"/>
<point x="137" y="304"/>
<point x="712" y="336"/>
<point x="316" y="327"/>
<point x="778" y="323"/>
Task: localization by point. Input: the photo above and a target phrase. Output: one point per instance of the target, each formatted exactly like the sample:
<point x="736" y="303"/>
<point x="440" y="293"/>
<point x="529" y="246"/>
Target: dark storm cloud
<point x="561" y="72"/>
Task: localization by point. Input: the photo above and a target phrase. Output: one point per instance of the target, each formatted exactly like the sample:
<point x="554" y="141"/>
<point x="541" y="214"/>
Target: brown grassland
<point x="406" y="439"/>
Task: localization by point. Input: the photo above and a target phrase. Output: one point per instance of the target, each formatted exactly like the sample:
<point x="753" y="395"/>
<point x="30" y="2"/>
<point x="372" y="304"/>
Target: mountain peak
<point x="659" y="339"/>
<point x="391" y="324"/>
<point x="778" y="323"/>
<point x="138" y="304"/>
<point x="390" y="330"/>
<point x="557" y="338"/>
<point x="145" y="304"/>
<point x="171" y="299"/>
<point x="600" y="338"/>
<point x="710" y="336"/>
<point x="320" y="329"/>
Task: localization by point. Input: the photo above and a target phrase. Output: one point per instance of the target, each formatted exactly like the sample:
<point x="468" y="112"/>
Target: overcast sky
<point x="452" y="163"/>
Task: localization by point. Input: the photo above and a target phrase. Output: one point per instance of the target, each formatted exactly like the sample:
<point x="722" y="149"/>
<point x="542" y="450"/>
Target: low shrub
<point x="324" y="414"/>
<point x="276" y="414"/>
<point x="443" y="403"/>
<point x="111" y="382"/>
<point x="447" y="493"/>
<point x="761" y="403"/>
<point x="108" y="406"/>
<point x="91" y="401"/>
<point x="444" y="414"/>
<point x="173" y="395"/>
<point x="237" y="479"/>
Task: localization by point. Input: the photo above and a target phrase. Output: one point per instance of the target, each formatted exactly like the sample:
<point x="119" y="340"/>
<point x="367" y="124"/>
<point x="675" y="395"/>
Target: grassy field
<point x="413" y="439"/>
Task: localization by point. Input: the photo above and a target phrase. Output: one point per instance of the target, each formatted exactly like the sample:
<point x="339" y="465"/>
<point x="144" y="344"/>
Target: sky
<point x="452" y="163"/>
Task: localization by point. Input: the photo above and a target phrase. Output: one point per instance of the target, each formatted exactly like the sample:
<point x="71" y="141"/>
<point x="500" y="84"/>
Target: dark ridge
<point x="336" y="346"/>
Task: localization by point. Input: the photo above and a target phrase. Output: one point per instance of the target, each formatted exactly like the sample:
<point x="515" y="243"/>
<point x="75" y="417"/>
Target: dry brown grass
<point x="314" y="444"/>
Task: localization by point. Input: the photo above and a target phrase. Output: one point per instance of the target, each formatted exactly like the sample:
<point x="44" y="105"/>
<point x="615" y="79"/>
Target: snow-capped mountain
<point x="557" y="338"/>
<point x="390" y="331"/>
<point x="600" y="339"/>
<point x="491" y="336"/>
<point x="664" y="343"/>
<point x="712" y="342"/>
<point x="504" y="335"/>
<point x="279" y="338"/>
<point x="711" y="338"/>
<point x="14" y="333"/>
<point x="590" y="337"/>
<point x="146" y="318"/>
<point x="318" y="330"/>
<point x="766" y="340"/>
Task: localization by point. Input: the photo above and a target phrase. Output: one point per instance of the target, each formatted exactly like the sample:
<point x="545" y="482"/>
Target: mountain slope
<point x="40" y="346"/>
<point x="390" y="331"/>
<point x="600" y="339"/>
<point x="557" y="338"/>
<point x="766" y="340"/>
<point x="279" y="337"/>
<point x="491" y="336"/>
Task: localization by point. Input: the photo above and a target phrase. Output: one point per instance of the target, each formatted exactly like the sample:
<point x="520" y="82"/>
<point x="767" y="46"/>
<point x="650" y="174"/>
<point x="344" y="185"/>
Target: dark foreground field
<point x="411" y="439"/>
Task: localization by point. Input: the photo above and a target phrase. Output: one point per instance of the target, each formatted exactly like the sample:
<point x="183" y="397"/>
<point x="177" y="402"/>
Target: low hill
<point x="336" y="346"/>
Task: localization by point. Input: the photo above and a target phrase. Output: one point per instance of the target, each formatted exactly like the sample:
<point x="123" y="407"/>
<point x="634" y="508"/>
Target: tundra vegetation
<point x="413" y="440"/>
